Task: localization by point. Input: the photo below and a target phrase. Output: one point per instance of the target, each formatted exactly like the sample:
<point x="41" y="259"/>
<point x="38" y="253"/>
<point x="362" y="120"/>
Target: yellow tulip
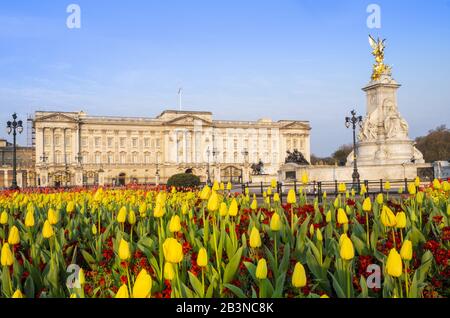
<point x="276" y="197"/>
<point x="412" y="188"/>
<point x="400" y="220"/>
<point x="394" y="264"/>
<point x="367" y="205"/>
<point x="363" y="190"/>
<point x="324" y="296"/>
<point x="17" y="294"/>
<point x="406" y="251"/>
<point x="229" y="186"/>
<point x="342" y="188"/>
<point x="213" y="202"/>
<point x="131" y="217"/>
<point x="419" y="197"/>
<point x="400" y="190"/>
<point x="269" y="191"/>
<point x="216" y="186"/>
<point x="202" y="258"/>
<point x="417" y="182"/>
<point x="275" y="222"/>
<point x="261" y="269"/>
<point x="328" y="217"/>
<point x="124" y="250"/>
<point x="223" y="211"/>
<point x="319" y="235"/>
<point x="52" y="216"/>
<point x="122" y="215"/>
<point x="342" y="216"/>
<point x="299" y="276"/>
<point x="387" y="217"/>
<point x="7" y="257"/>
<point x="387" y="185"/>
<point x="291" y="198"/>
<point x="380" y="198"/>
<point x="175" y="224"/>
<point x="273" y="183"/>
<point x="4" y="218"/>
<point x="347" y="252"/>
<point x="254" y="204"/>
<point x="311" y="230"/>
<point x="159" y="211"/>
<point x="94" y="229"/>
<point x="29" y="218"/>
<point x="448" y="209"/>
<point x="305" y="178"/>
<point x="233" y="210"/>
<point x="122" y="292"/>
<point x="70" y="207"/>
<point x="324" y="194"/>
<point x="143" y="209"/>
<point x="185" y="208"/>
<point x="169" y="272"/>
<point x="255" y="238"/>
<point x="173" y="251"/>
<point x="337" y="201"/>
<point x="204" y="194"/>
<point x="81" y="277"/>
<point x="14" y="236"/>
<point x="143" y="285"/>
<point x="47" y="230"/>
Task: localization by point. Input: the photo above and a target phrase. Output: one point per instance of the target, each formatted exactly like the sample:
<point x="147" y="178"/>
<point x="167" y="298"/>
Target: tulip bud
<point x="417" y="182"/>
<point x="47" y="230"/>
<point x="291" y="198"/>
<point x="122" y="292"/>
<point x="311" y="230"/>
<point x="299" y="276"/>
<point x="122" y="215"/>
<point x="70" y="207"/>
<point x="202" y="258"/>
<point x="387" y="185"/>
<point x="81" y="277"/>
<point x="347" y="194"/>
<point x="367" y="205"/>
<point x="419" y="197"/>
<point x="233" y="210"/>
<point x="169" y="272"/>
<point x="14" y="237"/>
<point x="143" y="285"/>
<point x="273" y="183"/>
<point x="94" y="229"/>
<point x="319" y="235"/>
<point x="324" y="194"/>
<point x="387" y="217"/>
<point x="337" y="202"/>
<point x="380" y="198"/>
<point x="29" y="218"/>
<point x="254" y="204"/>
<point x="448" y="209"/>
<point x="400" y="190"/>
<point x="131" y="217"/>
<point x="347" y="251"/>
<point x="4" y="218"/>
<point x="7" y="257"/>
<point x="305" y="178"/>
<point x="400" y="219"/>
<point x="124" y="250"/>
<point x="412" y="188"/>
<point x="363" y="190"/>
<point x="261" y="269"/>
<point x="213" y="202"/>
<point x="342" y="188"/>
<point x="406" y="250"/>
<point x="269" y="191"/>
<point x="342" y="216"/>
<point x="184" y="208"/>
<point x="275" y="223"/>
<point x="159" y="211"/>
<point x="394" y="264"/>
<point x="328" y="216"/>
<point x="52" y="216"/>
<point x="143" y="209"/>
<point x="276" y="197"/>
<point x="216" y="186"/>
<point x="17" y="294"/>
<point x="222" y="186"/>
<point x="324" y="296"/>
<point x="255" y="238"/>
<point x="175" y="224"/>
<point x="223" y="211"/>
<point x="173" y="251"/>
<point x="229" y="186"/>
<point x="204" y="194"/>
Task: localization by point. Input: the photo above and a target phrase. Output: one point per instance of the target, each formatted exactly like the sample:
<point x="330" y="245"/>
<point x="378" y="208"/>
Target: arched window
<point x="110" y="158"/>
<point x="58" y="157"/>
<point x="123" y="157"/>
<point x="135" y="158"/>
<point x="147" y="158"/>
<point x="98" y="158"/>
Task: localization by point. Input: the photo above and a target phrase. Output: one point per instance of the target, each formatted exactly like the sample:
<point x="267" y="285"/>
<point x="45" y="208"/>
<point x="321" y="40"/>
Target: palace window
<point x="235" y="157"/>
<point x="122" y="141"/>
<point x="68" y="158"/>
<point x="58" y="157"/>
<point x="46" y="140"/>
<point x="98" y="158"/>
<point x="135" y="142"/>
<point x="110" y="142"/>
<point x="135" y="158"/>
<point x="274" y="157"/>
<point x="224" y="156"/>
<point x="147" y="142"/>
<point x="84" y="157"/>
<point x="123" y="158"/>
<point x="157" y="143"/>
<point x="84" y="141"/>
<point x="68" y="139"/>
<point x="110" y="158"/>
<point x="57" y="141"/>
<point x="235" y="143"/>
<point x="147" y="158"/>
<point x="97" y="141"/>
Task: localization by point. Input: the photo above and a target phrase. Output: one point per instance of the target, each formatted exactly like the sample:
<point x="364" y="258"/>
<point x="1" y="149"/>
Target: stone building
<point x="25" y="165"/>
<point x="73" y="148"/>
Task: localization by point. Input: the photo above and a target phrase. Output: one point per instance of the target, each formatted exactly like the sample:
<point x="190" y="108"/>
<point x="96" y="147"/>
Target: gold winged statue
<point x="379" y="68"/>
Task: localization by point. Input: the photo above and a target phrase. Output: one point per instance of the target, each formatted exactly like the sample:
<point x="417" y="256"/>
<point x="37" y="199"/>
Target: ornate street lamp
<point x="14" y="127"/>
<point x="208" y="181"/>
<point x="353" y="122"/>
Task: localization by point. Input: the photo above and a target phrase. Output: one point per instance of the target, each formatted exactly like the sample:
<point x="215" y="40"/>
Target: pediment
<point x="186" y="120"/>
<point x="58" y="117"/>
<point x="296" y="125"/>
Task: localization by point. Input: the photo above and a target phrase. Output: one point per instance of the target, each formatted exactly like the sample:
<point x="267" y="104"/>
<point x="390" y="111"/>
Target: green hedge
<point x="183" y="180"/>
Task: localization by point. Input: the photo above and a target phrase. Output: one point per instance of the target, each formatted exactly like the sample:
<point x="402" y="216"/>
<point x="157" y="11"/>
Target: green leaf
<point x="89" y="259"/>
<point x="29" y="287"/>
<point x="196" y="284"/>
<point x="232" y="267"/>
<point x="235" y="290"/>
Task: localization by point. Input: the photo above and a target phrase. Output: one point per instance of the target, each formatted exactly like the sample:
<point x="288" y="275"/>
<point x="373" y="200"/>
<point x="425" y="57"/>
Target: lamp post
<point x="157" y="169"/>
<point x="245" y="153"/>
<point x="14" y="127"/>
<point x="208" y="180"/>
<point x="353" y="122"/>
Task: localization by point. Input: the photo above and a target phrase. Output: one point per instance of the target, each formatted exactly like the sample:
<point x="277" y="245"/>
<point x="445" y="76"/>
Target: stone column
<point x="53" y="147"/>
<point x="5" y="180"/>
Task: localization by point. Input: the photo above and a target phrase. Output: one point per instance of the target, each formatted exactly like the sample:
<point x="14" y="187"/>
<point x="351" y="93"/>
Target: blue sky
<point x="283" y="59"/>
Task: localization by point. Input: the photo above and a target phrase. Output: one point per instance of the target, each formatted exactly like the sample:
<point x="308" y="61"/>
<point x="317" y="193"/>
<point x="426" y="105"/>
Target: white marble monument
<point x="383" y="138"/>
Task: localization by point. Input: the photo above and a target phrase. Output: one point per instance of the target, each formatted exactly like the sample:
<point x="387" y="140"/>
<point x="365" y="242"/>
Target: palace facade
<point x="74" y="148"/>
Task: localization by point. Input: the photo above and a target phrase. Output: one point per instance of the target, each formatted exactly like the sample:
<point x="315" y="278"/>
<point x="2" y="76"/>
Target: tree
<point x="436" y="145"/>
<point x="340" y="155"/>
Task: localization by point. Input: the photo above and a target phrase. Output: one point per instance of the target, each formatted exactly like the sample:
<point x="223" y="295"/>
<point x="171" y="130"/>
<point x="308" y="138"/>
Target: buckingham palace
<point x="75" y="149"/>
